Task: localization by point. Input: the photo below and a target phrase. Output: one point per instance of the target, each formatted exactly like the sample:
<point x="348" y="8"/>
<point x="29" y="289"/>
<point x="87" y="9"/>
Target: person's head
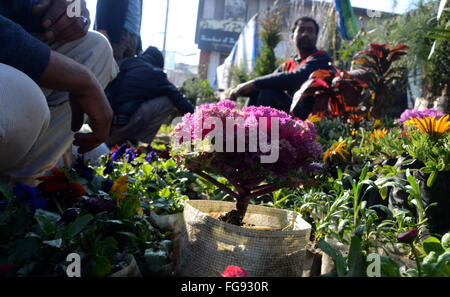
<point x="154" y="56"/>
<point x="304" y="33"/>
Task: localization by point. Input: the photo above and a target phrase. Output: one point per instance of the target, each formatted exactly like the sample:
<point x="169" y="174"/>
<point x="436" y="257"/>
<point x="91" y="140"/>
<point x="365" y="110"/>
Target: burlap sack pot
<point x="208" y="246"/>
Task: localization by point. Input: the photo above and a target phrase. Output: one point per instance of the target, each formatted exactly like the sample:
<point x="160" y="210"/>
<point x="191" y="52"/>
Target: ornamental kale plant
<point x="411" y="114"/>
<point x="199" y="142"/>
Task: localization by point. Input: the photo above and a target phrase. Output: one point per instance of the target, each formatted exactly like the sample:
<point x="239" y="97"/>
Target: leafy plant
<point x="378" y="62"/>
<point x="271" y="27"/>
<point x="331" y="93"/>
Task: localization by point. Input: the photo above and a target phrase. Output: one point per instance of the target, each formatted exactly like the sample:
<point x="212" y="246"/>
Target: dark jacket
<point x="18" y="48"/>
<point x="111" y="16"/>
<point x="138" y="82"/>
<point x="292" y="81"/>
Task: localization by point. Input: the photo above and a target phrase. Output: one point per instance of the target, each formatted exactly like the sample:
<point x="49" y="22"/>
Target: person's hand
<point x="242" y="89"/>
<point x="57" y="23"/>
<point x="93" y="102"/>
<point x="86" y="97"/>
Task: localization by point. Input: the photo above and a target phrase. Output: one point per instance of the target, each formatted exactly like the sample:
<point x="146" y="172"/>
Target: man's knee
<point x="24" y="115"/>
<point x="94" y="52"/>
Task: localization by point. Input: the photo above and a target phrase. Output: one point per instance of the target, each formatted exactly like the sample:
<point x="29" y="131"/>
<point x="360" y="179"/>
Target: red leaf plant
<point x="377" y="62"/>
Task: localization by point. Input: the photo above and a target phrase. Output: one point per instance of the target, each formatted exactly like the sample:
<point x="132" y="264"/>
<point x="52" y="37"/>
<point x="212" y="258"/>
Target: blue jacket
<point x="111" y="16"/>
<point x="139" y="81"/>
<point x="18" y="48"/>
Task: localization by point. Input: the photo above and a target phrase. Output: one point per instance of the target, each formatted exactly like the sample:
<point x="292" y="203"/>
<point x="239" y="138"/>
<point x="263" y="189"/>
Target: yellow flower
<point x="120" y="186"/>
<point x="314" y="118"/>
<point x="139" y="211"/>
<point x="431" y="126"/>
<point x="336" y="151"/>
<point x="377" y="124"/>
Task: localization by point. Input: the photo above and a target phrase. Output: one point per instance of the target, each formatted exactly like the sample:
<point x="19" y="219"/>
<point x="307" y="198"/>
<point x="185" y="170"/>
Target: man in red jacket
<point x="277" y="89"/>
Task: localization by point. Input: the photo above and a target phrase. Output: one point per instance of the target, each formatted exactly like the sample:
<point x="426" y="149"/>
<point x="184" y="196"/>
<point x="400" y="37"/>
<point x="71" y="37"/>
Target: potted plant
<point x="198" y="144"/>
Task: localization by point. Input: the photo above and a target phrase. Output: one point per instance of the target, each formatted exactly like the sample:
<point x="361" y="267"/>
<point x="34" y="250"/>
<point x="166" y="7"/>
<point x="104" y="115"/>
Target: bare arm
<point x="86" y="97"/>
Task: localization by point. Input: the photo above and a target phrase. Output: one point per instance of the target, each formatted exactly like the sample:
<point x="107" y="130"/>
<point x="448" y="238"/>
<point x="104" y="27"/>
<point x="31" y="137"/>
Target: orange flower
<point x="379" y="133"/>
<point x="431" y="126"/>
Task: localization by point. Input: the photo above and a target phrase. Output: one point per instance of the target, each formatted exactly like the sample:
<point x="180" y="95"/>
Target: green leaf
<point x="356" y="262"/>
<point x="412" y="182"/>
<point x="6" y="190"/>
<point x="432" y="244"/>
<point x="98" y="266"/>
<point x="389" y="268"/>
<point x="78" y="226"/>
<point x="155" y="260"/>
<point x="431" y="179"/>
<point x="445" y="240"/>
<point x="26" y="249"/>
<point x="338" y="259"/>
<point x="47" y="222"/>
<point x="130" y="235"/>
<point x="385" y="209"/>
<point x="56" y="243"/>
<point x="109" y="247"/>
<point x="360" y="230"/>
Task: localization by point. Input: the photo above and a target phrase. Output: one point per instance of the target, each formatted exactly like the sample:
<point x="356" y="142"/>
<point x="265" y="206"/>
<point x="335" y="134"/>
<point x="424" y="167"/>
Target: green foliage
<point x="436" y="260"/>
<point x="271" y="27"/>
<point x="198" y="91"/>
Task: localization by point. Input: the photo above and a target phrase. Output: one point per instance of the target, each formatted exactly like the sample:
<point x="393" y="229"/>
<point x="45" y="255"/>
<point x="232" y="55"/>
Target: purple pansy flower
<point x="31" y="196"/>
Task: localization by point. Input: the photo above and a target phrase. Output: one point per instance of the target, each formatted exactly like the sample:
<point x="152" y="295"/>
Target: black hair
<point x="154" y="56"/>
<point x="305" y="19"/>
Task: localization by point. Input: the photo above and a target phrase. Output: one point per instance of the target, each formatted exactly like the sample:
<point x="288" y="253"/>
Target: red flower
<point x="55" y="183"/>
<point x="234" y="271"/>
<point x="5" y="268"/>
<point x="408" y="236"/>
<point x="165" y="155"/>
<point x="76" y="190"/>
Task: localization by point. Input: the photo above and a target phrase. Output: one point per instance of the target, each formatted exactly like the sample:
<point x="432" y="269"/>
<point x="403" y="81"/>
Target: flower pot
<point x="438" y="218"/>
<point x="167" y="223"/>
<point x="131" y="269"/>
<point x="208" y="246"/>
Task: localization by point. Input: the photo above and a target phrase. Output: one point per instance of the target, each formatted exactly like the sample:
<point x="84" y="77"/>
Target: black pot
<point x="438" y="216"/>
